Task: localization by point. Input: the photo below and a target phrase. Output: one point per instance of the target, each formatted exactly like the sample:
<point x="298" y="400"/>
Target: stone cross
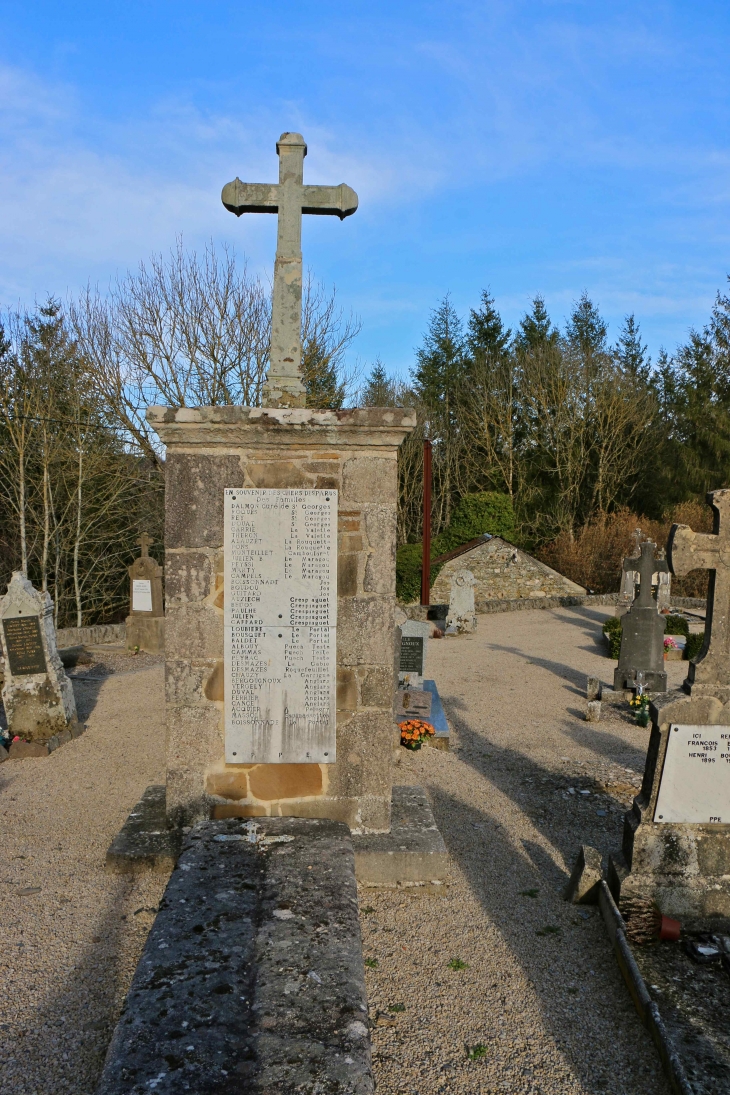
<point x="144" y="542"/>
<point x="646" y="566"/>
<point x="290" y="199"/>
<point x="688" y="550"/>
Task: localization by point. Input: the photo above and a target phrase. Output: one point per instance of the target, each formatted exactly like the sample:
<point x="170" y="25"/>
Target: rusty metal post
<point x="426" y="562"/>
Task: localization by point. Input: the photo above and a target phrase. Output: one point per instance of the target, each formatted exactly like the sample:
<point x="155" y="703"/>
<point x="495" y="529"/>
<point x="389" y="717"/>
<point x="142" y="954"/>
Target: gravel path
<point x="539" y="1002"/>
<point x="72" y="934"/>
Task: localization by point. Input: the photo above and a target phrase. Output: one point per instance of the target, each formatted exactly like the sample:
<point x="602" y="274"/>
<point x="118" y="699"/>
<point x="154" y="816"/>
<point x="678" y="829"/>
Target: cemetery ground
<point x="498" y="985"/>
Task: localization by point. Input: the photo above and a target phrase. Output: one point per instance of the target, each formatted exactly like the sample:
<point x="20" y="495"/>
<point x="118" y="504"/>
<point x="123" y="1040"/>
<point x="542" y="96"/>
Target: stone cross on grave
<point x="646" y="566"/>
<point x="688" y="550"/>
<point x="144" y="542"/>
<point x="289" y="199"/>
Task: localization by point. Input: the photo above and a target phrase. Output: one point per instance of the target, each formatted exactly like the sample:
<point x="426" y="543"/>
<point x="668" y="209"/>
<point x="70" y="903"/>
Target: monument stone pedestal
<point x="37" y="695"/>
<point x="353" y="452"/>
<point x="676" y="846"/>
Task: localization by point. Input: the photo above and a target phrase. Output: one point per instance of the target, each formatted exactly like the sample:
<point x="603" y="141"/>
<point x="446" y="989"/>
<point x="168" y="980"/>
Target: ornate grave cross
<point x="144" y="542"/>
<point x="290" y="199"/>
<point x="688" y="550"/>
<point x="646" y="566"/>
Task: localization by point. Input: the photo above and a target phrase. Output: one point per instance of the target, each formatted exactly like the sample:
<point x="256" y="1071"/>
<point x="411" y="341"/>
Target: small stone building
<point x="502" y="571"/>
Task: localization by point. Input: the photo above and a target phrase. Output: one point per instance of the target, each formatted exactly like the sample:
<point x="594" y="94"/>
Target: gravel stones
<point x="541" y="990"/>
<point x="73" y="933"/>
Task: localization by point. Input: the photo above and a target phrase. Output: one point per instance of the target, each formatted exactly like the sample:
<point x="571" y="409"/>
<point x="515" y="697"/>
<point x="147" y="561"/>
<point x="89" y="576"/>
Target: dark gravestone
<point x="411" y="654"/>
<point x="642" y="631"/>
<point x="24" y="645"/>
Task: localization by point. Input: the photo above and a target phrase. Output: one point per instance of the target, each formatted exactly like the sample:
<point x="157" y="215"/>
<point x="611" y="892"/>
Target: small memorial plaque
<point x="695" y="782"/>
<point x="280" y="626"/>
<point x="413" y="703"/>
<point x="411" y="654"/>
<point x="24" y="645"/>
<point x="141" y="595"/>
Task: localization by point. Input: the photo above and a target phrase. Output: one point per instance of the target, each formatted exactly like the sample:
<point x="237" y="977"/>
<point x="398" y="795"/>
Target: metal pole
<point x="426" y="563"/>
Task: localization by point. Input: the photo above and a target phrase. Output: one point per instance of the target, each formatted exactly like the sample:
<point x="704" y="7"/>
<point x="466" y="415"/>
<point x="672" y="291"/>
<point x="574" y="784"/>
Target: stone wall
<point x="503" y="572"/>
<point x="355" y="453"/>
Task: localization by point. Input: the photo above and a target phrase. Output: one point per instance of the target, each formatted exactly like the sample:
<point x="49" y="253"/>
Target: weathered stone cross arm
<point x="240" y="197"/>
<point x="688" y="550"/>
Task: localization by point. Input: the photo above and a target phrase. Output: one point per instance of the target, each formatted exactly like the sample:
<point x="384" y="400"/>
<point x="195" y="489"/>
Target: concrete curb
<point x="646" y="1007"/>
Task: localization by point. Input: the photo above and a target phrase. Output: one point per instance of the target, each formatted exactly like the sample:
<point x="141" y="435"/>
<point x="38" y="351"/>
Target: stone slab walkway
<point x="71" y="933"/>
<point x="502" y="968"/>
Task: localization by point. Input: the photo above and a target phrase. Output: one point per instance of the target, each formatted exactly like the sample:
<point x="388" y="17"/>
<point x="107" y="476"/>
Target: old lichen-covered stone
<point x="209" y="449"/>
<point x="37" y="694"/>
<point x="502" y="572"/>
<point x="461" y="617"/>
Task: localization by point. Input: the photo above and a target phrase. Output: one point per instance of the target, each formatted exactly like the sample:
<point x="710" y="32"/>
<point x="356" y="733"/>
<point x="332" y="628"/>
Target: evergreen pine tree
<point x="536" y="327"/>
<point x="629" y="352"/>
<point x="486" y="334"/>
<point x="380" y="390"/>
<point x="441" y="358"/>
<point x="586" y="330"/>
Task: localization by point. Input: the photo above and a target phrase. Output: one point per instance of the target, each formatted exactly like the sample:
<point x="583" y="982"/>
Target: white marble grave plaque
<point x="280" y="624"/>
<point x="695" y="783"/>
<point x="141" y="595"/>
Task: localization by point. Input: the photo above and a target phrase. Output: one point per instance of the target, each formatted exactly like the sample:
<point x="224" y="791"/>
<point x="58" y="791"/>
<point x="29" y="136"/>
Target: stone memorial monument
<point x="462" y="616"/>
<point x="677" y="836"/>
<point x="146" y="620"/>
<point x="37" y="694"/>
<point x="279" y="682"/>
<point x="642" y="630"/>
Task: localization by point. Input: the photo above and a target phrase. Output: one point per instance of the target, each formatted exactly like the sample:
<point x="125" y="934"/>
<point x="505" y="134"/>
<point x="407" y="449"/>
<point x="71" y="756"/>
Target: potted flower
<point x="413" y="732"/>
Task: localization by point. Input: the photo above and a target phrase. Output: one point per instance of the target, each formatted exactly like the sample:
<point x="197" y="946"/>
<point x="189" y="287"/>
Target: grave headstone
<point x="146" y="620"/>
<point x="37" y="694"/>
<point x="642" y="630"/>
<point x="676" y="845"/>
<point x="413" y="703"/>
<point x="413" y="648"/>
<point x="461" y="618"/>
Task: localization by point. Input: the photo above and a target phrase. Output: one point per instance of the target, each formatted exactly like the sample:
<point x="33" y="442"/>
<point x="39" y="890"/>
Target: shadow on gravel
<point x="558" y="669"/>
<point x="609" y="745"/>
<point x="87" y="688"/>
<point x="559" y="950"/>
<point x="62" y="1049"/>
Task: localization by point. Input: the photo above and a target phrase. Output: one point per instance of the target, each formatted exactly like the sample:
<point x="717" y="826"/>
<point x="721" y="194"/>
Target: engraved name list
<point x="280" y="626"/>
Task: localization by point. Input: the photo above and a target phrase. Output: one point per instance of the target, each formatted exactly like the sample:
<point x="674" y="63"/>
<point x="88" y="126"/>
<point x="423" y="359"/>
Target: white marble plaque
<point x="141" y="595"/>
<point x="280" y="617"/>
<point x="695" y="783"/>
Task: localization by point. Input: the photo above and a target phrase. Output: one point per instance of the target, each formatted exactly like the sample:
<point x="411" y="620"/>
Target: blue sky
<point x="543" y="146"/>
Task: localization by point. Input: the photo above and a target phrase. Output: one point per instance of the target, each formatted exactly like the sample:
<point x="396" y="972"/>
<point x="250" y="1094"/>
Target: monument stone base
<point x="683" y="866"/>
<point x="146" y="633"/>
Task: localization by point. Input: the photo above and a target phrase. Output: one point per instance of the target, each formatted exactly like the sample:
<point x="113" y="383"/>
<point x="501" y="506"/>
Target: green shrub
<point x="612" y="631"/>
<point x="408" y="573"/>
<point x="676" y="625"/>
<point x="693" y="645"/>
<point x="476" y="514"/>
